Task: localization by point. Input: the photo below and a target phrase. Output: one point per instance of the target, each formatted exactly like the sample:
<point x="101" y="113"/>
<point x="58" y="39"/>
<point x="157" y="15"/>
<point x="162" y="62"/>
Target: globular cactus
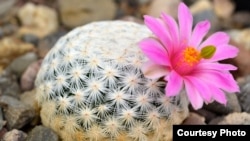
<point x="90" y="87"/>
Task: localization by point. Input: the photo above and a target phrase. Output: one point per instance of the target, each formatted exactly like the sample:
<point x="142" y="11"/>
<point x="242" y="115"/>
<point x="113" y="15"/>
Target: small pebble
<point x="30" y="38"/>
<point x="1" y="33"/>
<point x="194" y="119"/>
<point x="16" y="113"/>
<point x="244" y="96"/>
<point x="29" y="75"/>
<point x="19" y="64"/>
<point x="233" y="118"/>
<point x="207" y="114"/>
<point x="9" y="29"/>
<point x="9" y="84"/>
<point x="15" y="135"/>
<point x="41" y="133"/>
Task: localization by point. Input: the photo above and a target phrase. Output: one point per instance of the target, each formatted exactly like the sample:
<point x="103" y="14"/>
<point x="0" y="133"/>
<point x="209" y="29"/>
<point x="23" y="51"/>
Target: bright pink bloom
<point x="175" y="54"/>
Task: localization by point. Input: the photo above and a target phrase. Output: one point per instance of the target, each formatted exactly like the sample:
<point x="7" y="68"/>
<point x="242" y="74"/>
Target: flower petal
<point x="215" y="66"/>
<point x="193" y="95"/>
<point x="155" y="51"/>
<point x="218" y="95"/>
<point x="217" y="39"/>
<point x="172" y="28"/>
<point x="159" y="29"/>
<point x="224" y="52"/>
<point x="201" y="87"/>
<point x="185" y="23"/>
<point x="153" y="71"/>
<point x="223" y="79"/>
<point x="174" y="85"/>
<point x="199" y="32"/>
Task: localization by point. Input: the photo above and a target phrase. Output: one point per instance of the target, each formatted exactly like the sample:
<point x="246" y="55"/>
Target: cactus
<point x="90" y="87"/>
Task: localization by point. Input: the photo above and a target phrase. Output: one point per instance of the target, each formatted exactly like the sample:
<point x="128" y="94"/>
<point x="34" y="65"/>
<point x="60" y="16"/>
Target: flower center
<point x="191" y="56"/>
<point x="186" y="60"/>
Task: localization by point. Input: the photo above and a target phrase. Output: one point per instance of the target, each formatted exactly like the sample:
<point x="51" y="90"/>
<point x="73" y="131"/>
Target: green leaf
<point x="208" y="51"/>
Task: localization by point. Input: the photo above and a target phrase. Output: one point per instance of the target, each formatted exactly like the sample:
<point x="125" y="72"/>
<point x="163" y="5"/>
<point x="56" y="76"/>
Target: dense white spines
<point x="152" y="119"/>
<point x="110" y="75"/>
<point x="48" y="90"/>
<point x="68" y="58"/>
<point x="166" y="105"/>
<point x="102" y="111"/>
<point x="118" y="99"/>
<point x="93" y="63"/>
<point x="61" y="82"/>
<point x="79" y="97"/>
<point x="86" y="116"/>
<point x="131" y="80"/>
<point x="64" y="104"/>
<point x="77" y="74"/>
<point x="95" y="89"/>
<point x="127" y="117"/>
<point x="94" y="133"/>
<point x="143" y="102"/>
<point x="72" y="124"/>
<point x="112" y="127"/>
<point x="94" y="80"/>
<point x="153" y="87"/>
<point x="53" y="66"/>
<point x="139" y="132"/>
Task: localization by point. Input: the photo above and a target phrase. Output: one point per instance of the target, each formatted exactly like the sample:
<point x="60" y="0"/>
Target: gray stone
<point x="14" y="135"/>
<point x="127" y="8"/>
<point x="194" y="119"/>
<point x="29" y="75"/>
<point x="156" y="7"/>
<point x="1" y="33"/>
<point x="39" y="20"/>
<point x="29" y="98"/>
<point x="20" y="64"/>
<point x="241" y="39"/>
<point x="5" y="6"/>
<point x="12" y="47"/>
<point x="203" y="10"/>
<point x="9" y="29"/>
<point x="132" y="19"/>
<point x="241" y="36"/>
<point x="79" y="12"/>
<point x="216" y="120"/>
<point x="244" y="95"/>
<point x="2" y="121"/>
<point x="207" y="15"/>
<point x="16" y="113"/>
<point x="223" y="8"/>
<point x="9" y="84"/>
<point x="41" y="133"/>
<point x="241" y="19"/>
<point x="231" y="106"/>
<point x="2" y="124"/>
<point x="233" y="118"/>
<point x="30" y="38"/>
<point x="207" y="114"/>
<point x="189" y="2"/>
<point x="2" y="132"/>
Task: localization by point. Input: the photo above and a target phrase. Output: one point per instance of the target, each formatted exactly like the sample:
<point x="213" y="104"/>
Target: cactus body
<point x="90" y="87"/>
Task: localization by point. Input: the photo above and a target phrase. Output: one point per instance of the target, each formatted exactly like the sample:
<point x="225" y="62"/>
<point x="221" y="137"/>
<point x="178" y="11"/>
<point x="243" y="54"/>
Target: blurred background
<point x="30" y="28"/>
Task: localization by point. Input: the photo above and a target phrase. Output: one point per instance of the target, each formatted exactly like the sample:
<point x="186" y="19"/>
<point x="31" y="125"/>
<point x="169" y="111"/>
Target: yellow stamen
<point x="191" y="56"/>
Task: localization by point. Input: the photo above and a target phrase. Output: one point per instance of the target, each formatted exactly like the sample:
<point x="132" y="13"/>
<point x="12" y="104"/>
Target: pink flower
<point x="180" y="55"/>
